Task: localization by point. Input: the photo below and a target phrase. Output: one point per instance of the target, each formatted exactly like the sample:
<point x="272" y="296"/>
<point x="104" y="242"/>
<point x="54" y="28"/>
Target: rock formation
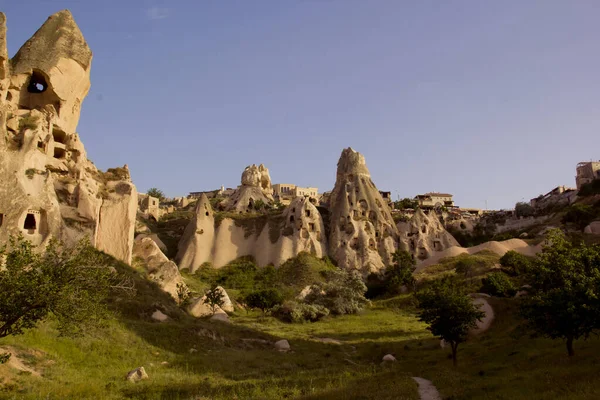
<point x="362" y="233"/>
<point x="160" y="269"/>
<point x="49" y="187"/>
<point x="425" y="235"/>
<point x="256" y="186"/>
<point x="270" y="239"/>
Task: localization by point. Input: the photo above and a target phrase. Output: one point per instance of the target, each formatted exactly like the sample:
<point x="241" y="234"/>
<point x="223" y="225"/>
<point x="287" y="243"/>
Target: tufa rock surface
<point x="49" y="187"/>
<point x="256" y="186"/>
<point x="363" y="235"/>
<point x="160" y="269"/>
<point x="267" y="238"/>
<point x="425" y="235"/>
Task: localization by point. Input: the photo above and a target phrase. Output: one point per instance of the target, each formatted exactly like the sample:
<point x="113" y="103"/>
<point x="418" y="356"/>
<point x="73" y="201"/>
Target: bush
<point x="580" y="215"/>
<point x="264" y="299"/>
<point x="343" y="292"/>
<point x="499" y="285"/>
<point x="514" y="263"/>
<point x="523" y="209"/>
<point x="590" y="189"/>
<point x="291" y="311"/>
<point x="397" y="275"/>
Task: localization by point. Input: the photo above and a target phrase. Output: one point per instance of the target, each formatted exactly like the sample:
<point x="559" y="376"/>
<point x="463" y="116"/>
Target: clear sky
<point x="488" y="100"/>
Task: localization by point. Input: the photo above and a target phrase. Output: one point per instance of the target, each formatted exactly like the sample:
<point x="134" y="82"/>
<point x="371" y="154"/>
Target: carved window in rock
<point x="30" y="224"/>
<point x="308" y="213"/>
<point x="291" y="218"/>
<point x="1" y="219"/>
<point x="60" y="153"/>
<point x="37" y="83"/>
<point x="311" y="226"/>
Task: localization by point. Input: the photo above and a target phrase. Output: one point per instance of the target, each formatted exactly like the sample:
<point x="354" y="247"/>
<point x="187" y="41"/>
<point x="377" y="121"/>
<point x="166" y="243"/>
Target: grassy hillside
<point x="189" y="358"/>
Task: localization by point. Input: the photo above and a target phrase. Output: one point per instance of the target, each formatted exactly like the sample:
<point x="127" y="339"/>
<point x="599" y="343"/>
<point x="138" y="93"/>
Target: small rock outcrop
<point x="388" y="358"/>
<point x="198" y="308"/>
<point x="49" y="187"/>
<point x="160" y="269"/>
<point x="196" y="245"/>
<point x="425" y="235"/>
<point x="363" y="235"/>
<point x="137" y="375"/>
<point x="282" y="345"/>
<point x="255" y="187"/>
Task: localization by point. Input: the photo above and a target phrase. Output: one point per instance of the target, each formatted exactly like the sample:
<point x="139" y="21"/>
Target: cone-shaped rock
<point x="195" y="246"/>
<point x="363" y="235"/>
<point x="255" y="187"/>
<point x="425" y="235"/>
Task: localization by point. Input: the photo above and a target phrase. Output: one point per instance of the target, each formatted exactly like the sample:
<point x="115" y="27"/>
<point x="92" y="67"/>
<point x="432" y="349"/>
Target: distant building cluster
<point x="286" y="192"/>
<point x="435" y="200"/>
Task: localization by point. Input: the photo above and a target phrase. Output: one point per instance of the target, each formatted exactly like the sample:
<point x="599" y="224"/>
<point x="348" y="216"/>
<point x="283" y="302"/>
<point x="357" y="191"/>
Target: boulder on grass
<point x="282" y="345"/>
<point x="137" y="375"/>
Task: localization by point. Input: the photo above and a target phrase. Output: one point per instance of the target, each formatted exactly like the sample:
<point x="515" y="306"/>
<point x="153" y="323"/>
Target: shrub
<point x="590" y="189"/>
<point x="69" y="282"/>
<point x="264" y="299"/>
<point x="215" y="298"/>
<point x="291" y="311"/>
<point x="580" y="215"/>
<point x="514" y="263"/>
<point x="498" y="284"/>
<point x="523" y="209"/>
<point x="28" y="122"/>
<point x="343" y="292"/>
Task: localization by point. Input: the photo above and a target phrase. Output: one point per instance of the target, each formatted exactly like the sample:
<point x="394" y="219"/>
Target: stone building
<point x="559" y="195"/>
<point x="435" y="200"/>
<point x="587" y="172"/>
<point x="286" y="192"/>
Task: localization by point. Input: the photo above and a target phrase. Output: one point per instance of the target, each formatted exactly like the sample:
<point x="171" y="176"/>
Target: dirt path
<point x="426" y="389"/>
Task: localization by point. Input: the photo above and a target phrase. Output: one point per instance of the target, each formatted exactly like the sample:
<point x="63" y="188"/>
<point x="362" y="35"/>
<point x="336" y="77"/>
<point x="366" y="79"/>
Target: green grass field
<point x="197" y="359"/>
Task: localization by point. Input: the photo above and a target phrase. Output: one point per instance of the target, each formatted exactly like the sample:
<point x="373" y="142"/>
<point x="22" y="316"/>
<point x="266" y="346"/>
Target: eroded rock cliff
<point x="49" y="187"/>
<point x="363" y="235"/>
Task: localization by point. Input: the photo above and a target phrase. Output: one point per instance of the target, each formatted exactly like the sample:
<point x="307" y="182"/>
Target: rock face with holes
<point x="268" y="239"/>
<point x="49" y="187"/>
<point x="362" y="235"/>
<point x="425" y="235"/>
<point x="255" y="187"/>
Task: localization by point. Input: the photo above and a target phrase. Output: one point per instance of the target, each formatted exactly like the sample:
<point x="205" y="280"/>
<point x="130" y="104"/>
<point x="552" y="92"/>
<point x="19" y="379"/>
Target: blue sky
<point x="488" y="100"/>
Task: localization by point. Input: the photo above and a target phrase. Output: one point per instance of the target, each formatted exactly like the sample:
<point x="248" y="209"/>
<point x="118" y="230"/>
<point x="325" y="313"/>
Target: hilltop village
<point x="275" y="253"/>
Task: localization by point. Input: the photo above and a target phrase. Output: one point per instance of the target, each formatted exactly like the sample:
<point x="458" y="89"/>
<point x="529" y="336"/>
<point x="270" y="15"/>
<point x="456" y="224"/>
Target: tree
<point x="70" y="283"/>
<point x="523" y="209"/>
<point x="449" y="312"/>
<point x="406" y="203"/>
<point x="264" y="299"/>
<point x="155" y="192"/>
<point x="580" y="215"/>
<point x="400" y="273"/>
<point x="343" y="292"/>
<point x="564" y="299"/>
<point x="214" y="298"/>
<point x="514" y="263"/>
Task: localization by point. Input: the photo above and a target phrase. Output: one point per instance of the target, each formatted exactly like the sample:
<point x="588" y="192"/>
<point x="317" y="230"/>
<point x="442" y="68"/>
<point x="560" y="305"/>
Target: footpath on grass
<point x="426" y="389"/>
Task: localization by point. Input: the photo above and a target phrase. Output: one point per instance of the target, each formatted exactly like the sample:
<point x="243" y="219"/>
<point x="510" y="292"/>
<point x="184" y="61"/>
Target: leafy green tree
<point x="564" y="301"/>
<point x="215" y="298"/>
<point x="466" y="267"/>
<point x="70" y="283"/>
<point x="499" y="285"/>
<point x="343" y="292"/>
<point x="449" y="312"/>
<point x="155" y="192"/>
<point x="264" y="299"/>
<point x="514" y="263"/>
<point x="523" y="209"/>
<point x="406" y="203"/>
<point x="580" y="215"/>
<point x="400" y="273"/>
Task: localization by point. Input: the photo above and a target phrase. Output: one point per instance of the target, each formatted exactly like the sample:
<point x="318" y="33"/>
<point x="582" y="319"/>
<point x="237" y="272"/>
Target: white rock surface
<point x="389" y="357"/>
<point x="137" y="375"/>
<point x="159" y="316"/>
<point x="282" y="345"/>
